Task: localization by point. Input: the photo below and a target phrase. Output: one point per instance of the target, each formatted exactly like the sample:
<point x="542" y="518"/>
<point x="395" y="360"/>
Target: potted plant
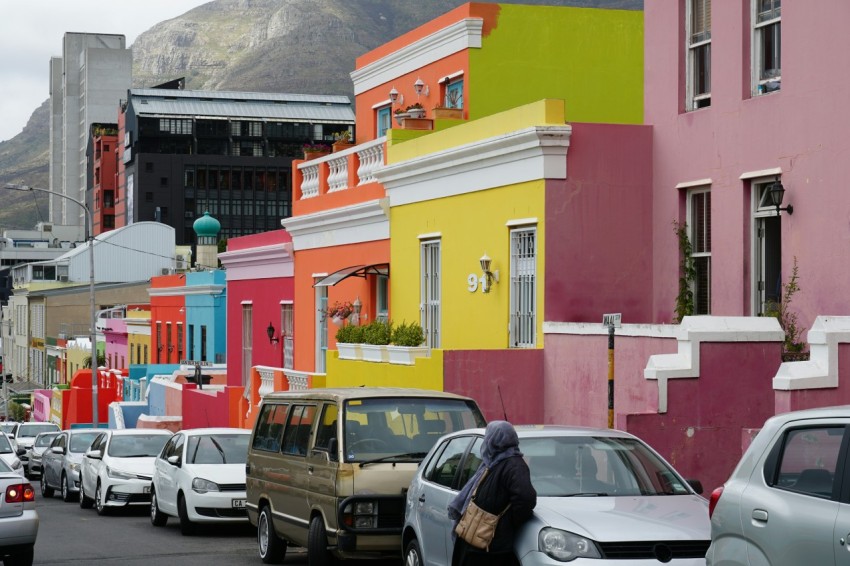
<point x="452" y="109"/>
<point x="342" y="140"/>
<point x="407" y="344"/>
<point x="339" y="311"/>
<point x="315" y="150"/>
<point x="348" y="340"/>
<point x="416" y="110"/>
<point x="376" y="337"/>
<point x="400" y="115"/>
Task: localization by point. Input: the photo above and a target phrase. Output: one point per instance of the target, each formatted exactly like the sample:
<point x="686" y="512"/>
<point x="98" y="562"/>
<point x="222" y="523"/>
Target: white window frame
<point x="762" y="210"/>
<point x="385" y="111"/>
<point x="430" y="291"/>
<point x="247" y="342"/>
<point x="382" y="297"/>
<point x="758" y="28"/>
<point x="696" y="101"/>
<point x="287" y="333"/>
<point x="321" y="328"/>
<point x="692" y="235"/>
<point x="523" y="289"/>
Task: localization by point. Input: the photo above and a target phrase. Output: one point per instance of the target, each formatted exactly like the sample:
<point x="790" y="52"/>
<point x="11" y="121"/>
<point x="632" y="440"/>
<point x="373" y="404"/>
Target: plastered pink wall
<point x="205" y="408"/>
<point x="500" y="381"/>
<point x="811" y="398"/>
<point x="599" y="225"/>
<point x="575" y="387"/>
<point x="801" y="129"/>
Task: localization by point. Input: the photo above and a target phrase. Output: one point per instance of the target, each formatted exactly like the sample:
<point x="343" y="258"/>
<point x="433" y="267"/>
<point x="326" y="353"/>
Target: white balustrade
<point x="298" y="380"/>
<point x="266" y="381"/>
<point x="338" y="173"/>
<point x="371" y="157"/>
<point x="310" y="181"/>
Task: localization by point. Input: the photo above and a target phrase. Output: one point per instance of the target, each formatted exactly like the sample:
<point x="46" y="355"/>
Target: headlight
<point x="565" y="546"/>
<point x="118" y="474"/>
<point x="16" y="464"/>
<point x="361" y="514"/>
<point x="75" y="467"/>
<point x="201" y="485"/>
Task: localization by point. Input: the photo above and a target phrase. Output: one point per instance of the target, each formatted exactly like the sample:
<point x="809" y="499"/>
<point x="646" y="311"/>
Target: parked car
<point x="602" y="495"/>
<point x="61" y="462"/>
<point x="39" y="445"/>
<point x="7" y="426"/>
<point x="11" y="454"/>
<point x="118" y="468"/>
<point x="25" y="434"/>
<point x="199" y="477"/>
<point x="327" y="468"/>
<point x="787" y="502"/>
<point x="18" y="518"/>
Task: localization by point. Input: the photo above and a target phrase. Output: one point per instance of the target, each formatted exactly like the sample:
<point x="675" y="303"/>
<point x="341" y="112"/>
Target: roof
<point x="206" y="225"/>
<point x="259" y="105"/>
<point x="353" y="271"/>
<point x="340" y="394"/>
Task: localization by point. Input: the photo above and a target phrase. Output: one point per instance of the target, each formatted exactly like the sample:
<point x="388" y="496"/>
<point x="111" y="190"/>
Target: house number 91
<point x="472" y="282"/>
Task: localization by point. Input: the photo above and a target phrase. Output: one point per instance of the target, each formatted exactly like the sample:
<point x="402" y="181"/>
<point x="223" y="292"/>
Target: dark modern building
<point x="183" y="153"/>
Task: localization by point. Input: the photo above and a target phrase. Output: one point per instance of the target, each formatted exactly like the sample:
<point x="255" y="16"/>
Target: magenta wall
<point x="203" y="409"/>
<point x="599" y="226"/>
<point x="486" y="375"/>
<point x="811" y="398"/>
<point x="801" y="129"/>
<point x="116" y="343"/>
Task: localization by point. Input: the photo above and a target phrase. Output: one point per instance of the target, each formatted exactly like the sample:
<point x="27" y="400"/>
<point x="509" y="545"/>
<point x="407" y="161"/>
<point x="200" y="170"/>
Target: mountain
<point x="298" y="46"/>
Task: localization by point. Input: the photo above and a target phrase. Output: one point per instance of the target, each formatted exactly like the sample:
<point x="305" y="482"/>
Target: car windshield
<point x="7" y="427"/>
<point x="564" y="466"/>
<point x="44" y="440"/>
<point x="31" y="431"/>
<point x="5" y="445"/>
<point x="402" y="429"/>
<point x="80" y="441"/>
<point x="217" y="449"/>
<point x="136" y="445"/>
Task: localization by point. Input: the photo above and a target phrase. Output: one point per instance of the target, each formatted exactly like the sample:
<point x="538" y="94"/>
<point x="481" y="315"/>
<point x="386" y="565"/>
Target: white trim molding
<point x="697" y="183"/>
<point x="363" y="222"/>
<point x="697" y="329"/>
<point x="597" y="329"/>
<point x="186" y="291"/>
<point x="821" y="369"/>
<point x="429" y="236"/>
<point x="465" y="34"/>
<point x="521" y="222"/>
<point x="762" y="173"/>
<point x="448" y="78"/>
<point x="261" y="262"/>
<point x="530" y="154"/>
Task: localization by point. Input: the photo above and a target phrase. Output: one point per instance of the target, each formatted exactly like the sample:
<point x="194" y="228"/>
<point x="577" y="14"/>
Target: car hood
<point x="143" y="466"/>
<point x="218" y="473"/>
<point x="624" y="518"/>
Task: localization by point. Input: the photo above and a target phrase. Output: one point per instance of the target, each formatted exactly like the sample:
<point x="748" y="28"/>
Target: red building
<point x="104" y="176"/>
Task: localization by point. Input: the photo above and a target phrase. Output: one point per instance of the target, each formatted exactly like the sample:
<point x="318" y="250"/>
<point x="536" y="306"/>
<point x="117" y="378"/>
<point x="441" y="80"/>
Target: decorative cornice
<point x="186" y="291"/>
<point x="465" y="34"/>
<point x="262" y="262"/>
<point x="535" y="153"/>
<point x="363" y="222"/>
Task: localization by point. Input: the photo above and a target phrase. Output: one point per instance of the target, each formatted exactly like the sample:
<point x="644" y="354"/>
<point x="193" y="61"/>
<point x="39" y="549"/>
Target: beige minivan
<point x="328" y="469"/>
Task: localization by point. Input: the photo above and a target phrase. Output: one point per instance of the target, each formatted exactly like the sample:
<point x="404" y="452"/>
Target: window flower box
<point x="406" y="355"/>
<point x="375" y="353"/>
<point x="443" y="113"/>
<point x="349" y="351"/>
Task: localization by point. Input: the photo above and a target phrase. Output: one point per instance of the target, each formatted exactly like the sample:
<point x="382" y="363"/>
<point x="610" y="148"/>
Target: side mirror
<point x="21" y="451"/>
<point x="695" y="484"/>
<point x="57" y="450"/>
<point x="94" y="454"/>
<point x="174" y="461"/>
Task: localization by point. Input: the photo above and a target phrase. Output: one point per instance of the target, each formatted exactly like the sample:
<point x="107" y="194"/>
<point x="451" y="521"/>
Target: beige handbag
<point x="476" y="526"/>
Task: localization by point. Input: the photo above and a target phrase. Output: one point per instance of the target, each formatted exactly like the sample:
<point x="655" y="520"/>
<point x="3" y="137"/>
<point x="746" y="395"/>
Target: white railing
<point x="298" y="380"/>
<point x="266" y="381"/>
<point x="371" y="156"/>
<point x="338" y="173"/>
<point x="310" y="181"/>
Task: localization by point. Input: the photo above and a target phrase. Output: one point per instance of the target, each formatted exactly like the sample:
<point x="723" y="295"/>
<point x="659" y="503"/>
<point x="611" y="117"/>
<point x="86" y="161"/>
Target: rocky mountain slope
<point x="303" y="46"/>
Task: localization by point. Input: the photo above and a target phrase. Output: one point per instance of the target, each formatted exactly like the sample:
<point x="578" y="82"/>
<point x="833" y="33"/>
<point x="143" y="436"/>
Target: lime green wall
<point x="591" y="58"/>
<point x="470" y="225"/>
<point x="427" y="373"/>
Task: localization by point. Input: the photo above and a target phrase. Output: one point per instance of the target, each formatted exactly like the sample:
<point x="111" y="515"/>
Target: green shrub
<point x="408" y="335"/>
<point x="345" y="334"/>
<point x="377" y="332"/>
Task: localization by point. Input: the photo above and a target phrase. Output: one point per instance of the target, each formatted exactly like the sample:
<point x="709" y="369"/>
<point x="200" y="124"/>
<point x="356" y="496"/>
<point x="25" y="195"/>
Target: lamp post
<point x="93" y="312"/>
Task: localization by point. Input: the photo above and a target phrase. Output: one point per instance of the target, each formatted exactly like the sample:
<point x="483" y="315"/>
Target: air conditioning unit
<point x="165" y="271"/>
<point x="63" y="278"/>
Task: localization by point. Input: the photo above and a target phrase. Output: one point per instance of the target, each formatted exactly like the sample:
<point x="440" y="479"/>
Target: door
<point x="51" y="463"/>
<point x="321" y="328"/>
<point x="323" y="463"/>
<point x="767" y="252"/>
<point x="90" y="467"/>
<point x="293" y="466"/>
<point x="166" y="475"/>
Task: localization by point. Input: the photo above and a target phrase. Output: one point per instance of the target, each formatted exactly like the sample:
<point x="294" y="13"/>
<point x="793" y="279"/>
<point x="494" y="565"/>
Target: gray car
<point x="603" y="497"/>
<point x="61" y="462"/>
<point x="25" y="433"/>
<point x="787" y="502"/>
<point x="34" y="452"/>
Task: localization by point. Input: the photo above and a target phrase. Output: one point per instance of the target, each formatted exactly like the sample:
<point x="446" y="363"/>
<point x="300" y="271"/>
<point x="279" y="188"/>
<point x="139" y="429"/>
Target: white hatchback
<point x="199" y="477"/>
<point x="118" y="468"/>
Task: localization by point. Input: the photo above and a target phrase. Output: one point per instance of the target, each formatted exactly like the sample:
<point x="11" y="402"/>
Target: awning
<point x="353" y="271"/>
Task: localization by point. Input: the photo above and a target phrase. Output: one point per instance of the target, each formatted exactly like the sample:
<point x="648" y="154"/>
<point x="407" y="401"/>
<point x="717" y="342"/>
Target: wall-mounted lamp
<point x="357" y="306"/>
<point x="395" y="97"/>
<point x="270" y="333"/>
<point x="420" y="87"/>
<point x="488" y="277"/>
<point x="777" y="193"/>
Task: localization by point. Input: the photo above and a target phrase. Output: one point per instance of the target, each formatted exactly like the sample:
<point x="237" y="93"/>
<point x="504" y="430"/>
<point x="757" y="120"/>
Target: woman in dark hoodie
<point x="507" y="482"/>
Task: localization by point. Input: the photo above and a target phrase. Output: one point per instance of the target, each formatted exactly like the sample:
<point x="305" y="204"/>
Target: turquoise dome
<point x="207" y="226"/>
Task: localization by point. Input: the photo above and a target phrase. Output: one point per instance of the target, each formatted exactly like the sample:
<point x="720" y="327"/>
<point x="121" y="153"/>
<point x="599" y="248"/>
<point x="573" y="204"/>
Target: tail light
<point x="712" y="502"/>
<point x="20" y="493"/>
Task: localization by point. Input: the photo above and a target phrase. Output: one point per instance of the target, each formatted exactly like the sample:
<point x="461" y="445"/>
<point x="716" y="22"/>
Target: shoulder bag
<point x="476" y="526"/>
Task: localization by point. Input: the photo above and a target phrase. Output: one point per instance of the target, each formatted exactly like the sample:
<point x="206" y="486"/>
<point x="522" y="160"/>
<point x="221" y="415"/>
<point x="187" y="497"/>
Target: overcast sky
<point x="31" y="33"/>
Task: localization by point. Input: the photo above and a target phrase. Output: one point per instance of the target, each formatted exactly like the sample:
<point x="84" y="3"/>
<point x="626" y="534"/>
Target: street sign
<point x="613" y="319"/>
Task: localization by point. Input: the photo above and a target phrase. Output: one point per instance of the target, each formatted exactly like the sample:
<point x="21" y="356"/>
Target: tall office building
<point x="86" y="86"/>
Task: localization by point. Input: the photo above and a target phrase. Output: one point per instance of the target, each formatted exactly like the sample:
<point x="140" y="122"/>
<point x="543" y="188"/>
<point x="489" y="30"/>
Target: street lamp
<point x="93" y="329"/>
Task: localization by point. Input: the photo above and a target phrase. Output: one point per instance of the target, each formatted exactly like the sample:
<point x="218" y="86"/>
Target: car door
<point x="293" y="464"/>
<point x="169" y="474"/>
<point x="323" y="463"/>
<point x="789" y="507"/>
<point x="439" y="487"/>
<point x="52" y="462"/>
<point x="91" y="466"/>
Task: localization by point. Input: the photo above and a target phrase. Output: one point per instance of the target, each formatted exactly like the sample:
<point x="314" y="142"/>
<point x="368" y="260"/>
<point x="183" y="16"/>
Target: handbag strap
<point x="475" y="491"/>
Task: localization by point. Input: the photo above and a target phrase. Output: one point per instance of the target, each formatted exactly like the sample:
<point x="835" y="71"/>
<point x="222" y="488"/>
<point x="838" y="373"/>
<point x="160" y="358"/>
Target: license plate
<point x="146" y="490"/>
<point x="238" y="503"/>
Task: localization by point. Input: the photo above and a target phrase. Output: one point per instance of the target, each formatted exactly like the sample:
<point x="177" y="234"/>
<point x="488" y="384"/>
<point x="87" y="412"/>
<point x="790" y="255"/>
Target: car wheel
<point x="99" y="503"/>
<point x="413" y="554"/>
<point x="317" y="544"/>
<point x="85" y="501"/>
<point x="66" y="489"/>
<point x="21" y="557"/>
<point x="46" y="490"/>
<point x="186" y="527"/>
<point x="158" y="518"/>
<point x="272" y="548"/>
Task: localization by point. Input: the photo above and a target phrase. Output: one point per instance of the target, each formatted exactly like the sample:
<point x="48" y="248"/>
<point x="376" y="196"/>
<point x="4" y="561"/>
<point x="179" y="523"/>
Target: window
<point x="179" y="341"/>
<point x="767" y="46"/>
<point x="169" y="346"/>
<point x="447" y="464"/>
<point x="699" y="227"/>
<point x="247" y="342"/>
<point x="430" y="291"/>
<point x="297" y="432"/>
<point x="523" y="299"/>
<point x="808" y="460"/>
<point x="699" y="54"/>
<point x="382" y="294"/>
<point x="383" y="120"/>
<point x="204" y="343"/>
<point x="158" y="340"/>
<point x="767" y="250"/>
<point x="327" y="431"/>
<point x="287" y="329"/>
<point x="321" y="328"/>
<point x="190" y="339"/>
<point x="269" y="428"/>
<point x="454" y="94"/>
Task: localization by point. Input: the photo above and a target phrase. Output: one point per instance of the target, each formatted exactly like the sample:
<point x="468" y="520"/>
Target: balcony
<point x="339" y="172"/>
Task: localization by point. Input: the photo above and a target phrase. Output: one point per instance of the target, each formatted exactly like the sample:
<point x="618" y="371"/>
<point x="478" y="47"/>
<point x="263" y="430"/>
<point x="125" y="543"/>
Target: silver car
<point x="18" y="518"/>
<point x="787" y="503"/>
<point x="61" y="462"/>
<point x="34" y="452"/>
<point x="25" y="434"/>
<point x="603" y="497"/>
